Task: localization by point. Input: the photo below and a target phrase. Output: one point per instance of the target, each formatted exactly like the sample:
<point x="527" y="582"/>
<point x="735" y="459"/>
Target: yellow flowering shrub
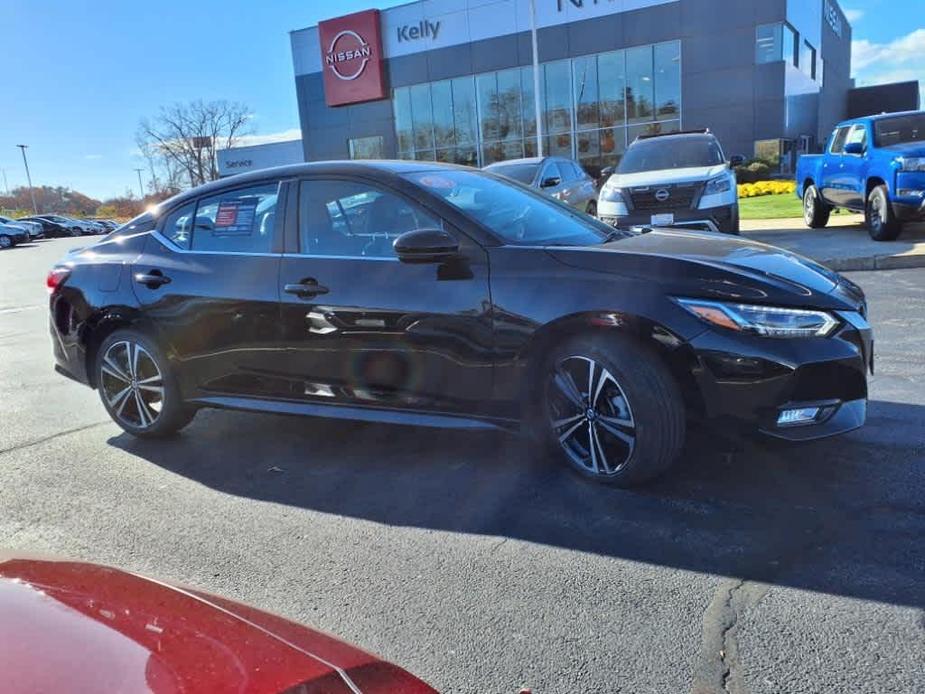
<point x="753" y="190"/>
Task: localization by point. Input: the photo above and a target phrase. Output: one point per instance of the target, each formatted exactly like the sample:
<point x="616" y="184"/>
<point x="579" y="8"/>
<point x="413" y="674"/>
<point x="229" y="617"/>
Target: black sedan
<point x="441" y="296"/>
<point x="53" y="229"/>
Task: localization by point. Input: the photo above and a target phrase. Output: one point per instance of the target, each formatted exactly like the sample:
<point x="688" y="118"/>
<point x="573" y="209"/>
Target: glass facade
<point x="591" y="107"/>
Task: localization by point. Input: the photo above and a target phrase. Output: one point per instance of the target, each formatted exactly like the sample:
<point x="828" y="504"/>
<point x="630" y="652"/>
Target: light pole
<point x="6" y="185"/>
<point x="25" y="161"/>
<point x="141" y="187"/>
<point x="536" y="81"/>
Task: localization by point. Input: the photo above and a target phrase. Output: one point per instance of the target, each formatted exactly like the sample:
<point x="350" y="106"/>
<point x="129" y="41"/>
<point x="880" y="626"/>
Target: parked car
<point x="12" y="235"/>
<point x="72" y="626"/>
<point x="34" y="229"/>
<point x="874" y="165"/>
<point x="82" y="225"/>
<point x="55" y="229"/>
<point x="675" y="179"/>
<point x="563" y="179"/>
<point x="107" y="224"/>
<point x="435" y="295"/>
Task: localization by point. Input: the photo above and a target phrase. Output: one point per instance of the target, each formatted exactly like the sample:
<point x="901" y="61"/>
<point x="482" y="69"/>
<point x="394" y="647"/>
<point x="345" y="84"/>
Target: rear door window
<point x="237" y="221"/>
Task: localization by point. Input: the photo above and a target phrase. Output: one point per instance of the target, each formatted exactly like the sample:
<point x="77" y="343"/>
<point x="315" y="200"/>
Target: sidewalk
<point x="844" y="244"/>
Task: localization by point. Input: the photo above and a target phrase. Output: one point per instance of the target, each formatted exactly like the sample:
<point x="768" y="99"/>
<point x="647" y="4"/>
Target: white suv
<point x="677" y="179"/>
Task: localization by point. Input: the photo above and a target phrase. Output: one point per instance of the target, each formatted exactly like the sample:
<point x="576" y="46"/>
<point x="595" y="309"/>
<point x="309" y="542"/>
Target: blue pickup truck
<point x="874" y="165"/>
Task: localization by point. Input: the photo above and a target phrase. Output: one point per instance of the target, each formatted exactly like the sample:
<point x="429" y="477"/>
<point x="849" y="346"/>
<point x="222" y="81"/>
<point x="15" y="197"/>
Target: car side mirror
<point x="426" y="246"/>
<point x="854" y="148"/>
<point x="606" y="171"/>
<point x="736" y="160"/>
<point x="550" y="182"/>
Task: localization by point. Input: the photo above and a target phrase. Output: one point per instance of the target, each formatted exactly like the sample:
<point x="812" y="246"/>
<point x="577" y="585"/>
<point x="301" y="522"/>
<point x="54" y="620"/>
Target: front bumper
<point x="753" y="380"/>
<point x="708" y="219"/>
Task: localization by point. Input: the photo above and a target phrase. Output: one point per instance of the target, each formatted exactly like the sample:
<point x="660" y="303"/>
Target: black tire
<point x="6" y="242"/>
<point x="732" y="227"/>
<point x="635" y="410"/>
<point x="73" y="232"/>
<point x="882" y="224"/>
<point x="134" y="412"/>
<point x="592" y="208"/>
<point x="816" y="211"/>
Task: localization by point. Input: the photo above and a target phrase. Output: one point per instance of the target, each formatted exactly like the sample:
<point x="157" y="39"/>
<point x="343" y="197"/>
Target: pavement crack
<point x="51" y="437"/>
<point x="718" y="670"/>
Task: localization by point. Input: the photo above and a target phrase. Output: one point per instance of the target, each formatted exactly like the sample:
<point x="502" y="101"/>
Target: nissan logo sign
<point x="662" y="194"/>
<point x="348" y="55"/>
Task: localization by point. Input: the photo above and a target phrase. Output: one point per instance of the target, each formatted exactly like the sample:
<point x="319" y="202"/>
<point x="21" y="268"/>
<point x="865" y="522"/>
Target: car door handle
<point x="152" y="279"/>
<point x="305" y="289"/>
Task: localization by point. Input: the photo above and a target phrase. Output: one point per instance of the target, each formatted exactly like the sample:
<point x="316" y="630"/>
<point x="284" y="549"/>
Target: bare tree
<point x="182" y="140"/>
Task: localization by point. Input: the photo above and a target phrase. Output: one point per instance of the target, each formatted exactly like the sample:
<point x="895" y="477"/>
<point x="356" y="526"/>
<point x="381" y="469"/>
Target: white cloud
<point x="93" y="156"/>
<point x="900" y="60"/>
<point x="854" y="16"/>
<point x="282" y="136"/>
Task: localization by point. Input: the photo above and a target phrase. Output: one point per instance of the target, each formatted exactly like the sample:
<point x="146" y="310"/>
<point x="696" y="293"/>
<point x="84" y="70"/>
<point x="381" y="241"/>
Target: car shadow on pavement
<point x="843" y="516"/>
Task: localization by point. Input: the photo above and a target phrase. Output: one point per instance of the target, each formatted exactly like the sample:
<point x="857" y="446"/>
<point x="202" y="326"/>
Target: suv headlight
<point x="769" y="321"/>
<point x="612" y="194"/>
<point x="719" y="184"/>
<point x="911" y="163"/>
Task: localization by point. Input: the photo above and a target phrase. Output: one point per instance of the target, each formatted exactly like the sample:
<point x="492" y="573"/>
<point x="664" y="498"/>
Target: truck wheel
<point x="881" y="222"/>
<point x="815" y="210"/>
<point x="732" y="226"/>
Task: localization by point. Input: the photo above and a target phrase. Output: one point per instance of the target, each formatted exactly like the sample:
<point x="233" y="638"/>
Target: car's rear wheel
<point x="610" y="410"/>
<point x="815" y="210"/>
<point x="5" y="242"/>
<point x="592" y="208"/>
<point x="882" y="224"/>
<point x="137" y="388"/>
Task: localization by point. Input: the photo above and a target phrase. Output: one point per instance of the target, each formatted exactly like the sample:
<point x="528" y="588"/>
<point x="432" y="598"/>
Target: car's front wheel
<point x="137" y="388"/>
<point x="5" y="242"/>
<point x="610" y="409"/>
<point x="815" y="210"/>
<point x="882" y="224"/>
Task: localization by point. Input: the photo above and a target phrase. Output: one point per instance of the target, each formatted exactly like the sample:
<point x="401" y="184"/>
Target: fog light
<point x="910" y="193"/>
<point x="800" y="415"/>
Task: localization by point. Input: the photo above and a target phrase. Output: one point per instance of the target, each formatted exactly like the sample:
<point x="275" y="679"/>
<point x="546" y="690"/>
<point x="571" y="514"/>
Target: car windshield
<point x="899" y="130"/>
<point x="513" y="212"/>
<point x="524" y="173"/>
<point x="674" y="153"/>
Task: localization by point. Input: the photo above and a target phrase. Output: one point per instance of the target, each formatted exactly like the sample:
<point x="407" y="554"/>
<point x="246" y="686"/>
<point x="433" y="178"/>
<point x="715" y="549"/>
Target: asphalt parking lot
<point x="751" y="568"/>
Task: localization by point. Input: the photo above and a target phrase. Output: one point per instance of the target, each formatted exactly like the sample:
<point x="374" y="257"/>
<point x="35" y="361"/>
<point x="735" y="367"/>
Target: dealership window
<point x="367" y="147"/>
<point x="774" y="42"/>
<point x="591" y="106"/>
<point x="808" y="59"/>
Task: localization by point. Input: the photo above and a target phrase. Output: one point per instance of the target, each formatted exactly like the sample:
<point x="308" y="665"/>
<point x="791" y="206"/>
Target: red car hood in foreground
<point x="70" y="626"/>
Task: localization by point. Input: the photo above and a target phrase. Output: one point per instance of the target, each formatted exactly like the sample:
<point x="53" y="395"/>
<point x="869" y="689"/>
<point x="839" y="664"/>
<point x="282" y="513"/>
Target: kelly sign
<point x="351" y="58"/>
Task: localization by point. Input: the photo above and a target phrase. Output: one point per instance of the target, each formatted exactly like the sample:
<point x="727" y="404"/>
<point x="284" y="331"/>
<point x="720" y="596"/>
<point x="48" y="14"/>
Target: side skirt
<point x="361" y="414"/>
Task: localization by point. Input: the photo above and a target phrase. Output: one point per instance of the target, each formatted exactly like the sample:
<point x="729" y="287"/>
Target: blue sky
<point x="77" y="76"/>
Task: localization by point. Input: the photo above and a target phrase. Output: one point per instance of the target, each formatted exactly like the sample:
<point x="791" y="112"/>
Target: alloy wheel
<point x="809" y="207"/>
<point x="132" y="384"/>
<point x="876" y="212"/>
<point x="590" y="416"/>
<point x="5" y="242"/>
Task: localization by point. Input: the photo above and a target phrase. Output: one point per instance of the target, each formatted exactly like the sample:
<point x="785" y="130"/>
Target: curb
<point x="876" y="262"/>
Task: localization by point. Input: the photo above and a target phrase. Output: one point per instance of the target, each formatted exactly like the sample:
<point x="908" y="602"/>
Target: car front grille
<point x="670" y="197"/>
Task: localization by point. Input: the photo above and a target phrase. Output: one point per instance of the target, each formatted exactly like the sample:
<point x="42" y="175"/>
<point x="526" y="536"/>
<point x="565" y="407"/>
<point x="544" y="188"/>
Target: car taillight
<point x="56" y="277"/>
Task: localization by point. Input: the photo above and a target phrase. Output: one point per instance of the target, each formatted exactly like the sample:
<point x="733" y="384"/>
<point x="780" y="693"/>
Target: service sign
<point x="351" y="58"/>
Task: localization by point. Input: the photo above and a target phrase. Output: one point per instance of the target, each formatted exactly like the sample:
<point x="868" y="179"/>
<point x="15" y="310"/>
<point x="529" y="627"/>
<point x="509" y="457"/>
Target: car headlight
<point x="720" y="184"/>
<point x="612" y="194"/>
<point x="911" y="163"/>
<point x="769" y="321"/>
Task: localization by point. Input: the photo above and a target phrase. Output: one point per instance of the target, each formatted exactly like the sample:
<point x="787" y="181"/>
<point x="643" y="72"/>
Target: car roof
<point x="389" y="167"/>
<point x="674" y="137"/>
<point x="514" y="162"/>
<point x="880" y="116"/>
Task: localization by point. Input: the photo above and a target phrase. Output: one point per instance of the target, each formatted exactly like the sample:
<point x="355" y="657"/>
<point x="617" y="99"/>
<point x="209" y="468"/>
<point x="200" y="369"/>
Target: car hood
<point x="714" y="265"/>
<point x="665" y="176"/>
<point x="72" y="626"/>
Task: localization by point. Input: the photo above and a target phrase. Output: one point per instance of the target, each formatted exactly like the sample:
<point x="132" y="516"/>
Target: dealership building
<point x="453" y="80"/>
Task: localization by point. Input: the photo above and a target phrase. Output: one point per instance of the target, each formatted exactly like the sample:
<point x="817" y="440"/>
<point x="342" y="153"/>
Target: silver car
<point x="558" y="177"/>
